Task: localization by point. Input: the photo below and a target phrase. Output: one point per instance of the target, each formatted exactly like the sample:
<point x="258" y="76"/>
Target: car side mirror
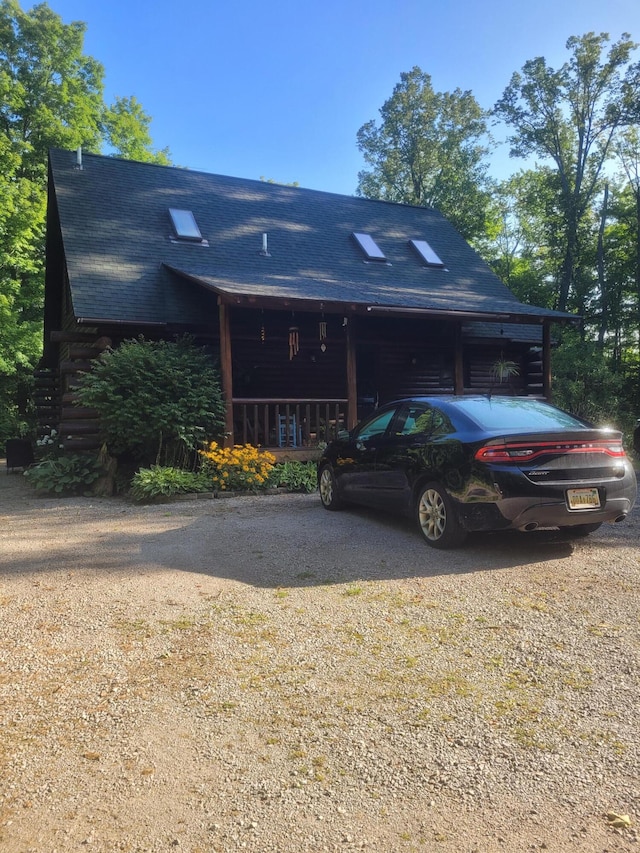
<point x="344" y="435"/>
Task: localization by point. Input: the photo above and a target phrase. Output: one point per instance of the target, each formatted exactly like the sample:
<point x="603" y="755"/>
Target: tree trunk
<point x="601" y="277"/>
<point x="637" y="195"/>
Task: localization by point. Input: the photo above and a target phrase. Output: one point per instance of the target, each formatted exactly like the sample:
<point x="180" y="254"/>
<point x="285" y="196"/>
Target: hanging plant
<point x="502" y="369"/>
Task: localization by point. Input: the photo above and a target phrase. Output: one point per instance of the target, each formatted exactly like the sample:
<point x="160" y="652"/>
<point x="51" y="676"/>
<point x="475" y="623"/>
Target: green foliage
<point x="429" y="149"/>
<point x="127" y="129"/>
<point x="157" y="482"/>
<point x="583" y="382"/>
<point x="72" y="474"/>
<point x="295" y="476"/>
<point x="51" y="95"/>
<point x="571" y="117"/>
<point x="157" y="401"/>
<point x="503" y="369"/>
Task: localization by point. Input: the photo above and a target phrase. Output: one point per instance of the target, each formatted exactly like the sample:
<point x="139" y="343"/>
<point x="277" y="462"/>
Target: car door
<point x="396" y="454"/>
<point x="356" y="465"/>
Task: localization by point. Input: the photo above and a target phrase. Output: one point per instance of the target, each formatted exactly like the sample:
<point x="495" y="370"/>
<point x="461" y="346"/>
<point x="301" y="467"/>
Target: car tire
<point x="437" y="518"/>
<point x="580" y="530"/>
<point x="329" y="489"/>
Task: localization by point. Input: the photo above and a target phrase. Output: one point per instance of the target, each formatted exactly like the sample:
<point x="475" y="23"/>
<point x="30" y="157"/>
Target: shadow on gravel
<point x="287" y="540"/>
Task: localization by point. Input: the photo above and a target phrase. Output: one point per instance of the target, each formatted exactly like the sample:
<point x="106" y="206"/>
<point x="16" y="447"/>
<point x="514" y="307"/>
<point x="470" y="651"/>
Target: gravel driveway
<point x="258" y="674"/>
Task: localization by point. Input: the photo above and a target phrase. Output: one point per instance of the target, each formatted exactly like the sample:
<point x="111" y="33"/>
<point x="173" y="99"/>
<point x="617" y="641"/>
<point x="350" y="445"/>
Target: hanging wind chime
<point x="323" y="334"/>
<point x="263" y="334"/>
<point x="294" y="341"/>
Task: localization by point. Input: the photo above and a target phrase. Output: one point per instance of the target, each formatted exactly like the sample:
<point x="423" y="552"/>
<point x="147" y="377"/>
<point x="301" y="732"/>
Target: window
<point x="421" y="419"/>
<point x="426" y="253"/>
<point x="185" y="225"/>
<point x="377" y="425"/>
<point x="369" y="247"/>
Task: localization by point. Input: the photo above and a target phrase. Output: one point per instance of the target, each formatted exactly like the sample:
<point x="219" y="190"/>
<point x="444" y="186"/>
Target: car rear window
<point x="504" y="413"/>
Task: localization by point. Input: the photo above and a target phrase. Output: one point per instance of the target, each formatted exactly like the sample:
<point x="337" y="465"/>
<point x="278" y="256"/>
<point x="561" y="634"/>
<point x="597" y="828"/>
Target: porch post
<point x="546" y="359"/>
<point x="458" y="385"/>
<point x="352" y="390"/>
<point x="226" y="372"/>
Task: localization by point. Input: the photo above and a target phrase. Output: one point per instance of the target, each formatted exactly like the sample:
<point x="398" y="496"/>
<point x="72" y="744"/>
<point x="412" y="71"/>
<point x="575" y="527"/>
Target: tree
<point x="51" y="95"/>
<point x="429" y="149"/>
<point x="572" y="117"/>
<point x="127" y="131"/>
<point x="628" y="151"/>
<point x="523" y="251"/>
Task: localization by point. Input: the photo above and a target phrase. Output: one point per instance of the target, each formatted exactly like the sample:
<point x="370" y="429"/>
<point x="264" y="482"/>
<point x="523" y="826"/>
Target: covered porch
<point x="294" y="374"/>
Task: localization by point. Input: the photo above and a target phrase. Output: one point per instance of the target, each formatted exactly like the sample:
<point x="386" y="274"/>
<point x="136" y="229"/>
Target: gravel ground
<point x="258" y="674"/>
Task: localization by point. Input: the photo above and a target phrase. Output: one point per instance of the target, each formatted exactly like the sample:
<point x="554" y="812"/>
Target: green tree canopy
<point x="51" y="95"/>
<point x="571" y="116"/>
<point x="429" y="149"/>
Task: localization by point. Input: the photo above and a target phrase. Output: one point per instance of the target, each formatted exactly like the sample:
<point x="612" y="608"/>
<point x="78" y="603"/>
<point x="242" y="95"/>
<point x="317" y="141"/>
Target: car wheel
<point x="579" y="530"/>
<point x="437" y="518"/>
<point x="329" y="489"/>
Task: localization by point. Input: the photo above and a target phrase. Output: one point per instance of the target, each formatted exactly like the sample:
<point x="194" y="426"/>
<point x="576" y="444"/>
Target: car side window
<point x="413" y="419"/>
<point x="421" y="419"/>
<point x="376" y="426"/>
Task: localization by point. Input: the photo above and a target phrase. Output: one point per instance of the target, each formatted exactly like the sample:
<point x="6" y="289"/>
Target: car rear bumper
<point x="547" y="507"/>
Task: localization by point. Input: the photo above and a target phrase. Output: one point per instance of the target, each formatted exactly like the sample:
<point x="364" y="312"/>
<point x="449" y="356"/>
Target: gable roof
<point x="124" y="263"/>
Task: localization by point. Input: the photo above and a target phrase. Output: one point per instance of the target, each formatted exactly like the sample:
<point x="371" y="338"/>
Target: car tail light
<point x="520" y="452"/>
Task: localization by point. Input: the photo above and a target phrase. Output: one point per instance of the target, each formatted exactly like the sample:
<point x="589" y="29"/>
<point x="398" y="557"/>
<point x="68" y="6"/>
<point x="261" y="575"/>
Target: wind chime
<point x="263" y="334"/>
<point x="294" y="341"/>
<point x="323" y="334"/>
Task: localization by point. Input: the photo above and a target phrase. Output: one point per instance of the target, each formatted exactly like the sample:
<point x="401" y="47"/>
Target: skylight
<point x="370" y="248"/>
<point x="185" y="225"/>
<point x="424" y="250"/>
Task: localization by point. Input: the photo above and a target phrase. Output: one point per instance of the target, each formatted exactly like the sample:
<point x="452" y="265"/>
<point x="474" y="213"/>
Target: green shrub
<point x="295" y="476"/>
<point x="68" y="475"/>
<point x="157" y="401"/>
<point x="584" y="383"/>
<point x="157" y="482"/>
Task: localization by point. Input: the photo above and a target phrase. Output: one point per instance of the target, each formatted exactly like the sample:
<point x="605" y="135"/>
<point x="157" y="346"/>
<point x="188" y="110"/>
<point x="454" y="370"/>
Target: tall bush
<point x="584" y="383"/>
<point x="157" y="401"/>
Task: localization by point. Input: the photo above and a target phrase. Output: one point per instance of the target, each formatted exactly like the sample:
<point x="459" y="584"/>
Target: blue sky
<point x="279" y="89"/>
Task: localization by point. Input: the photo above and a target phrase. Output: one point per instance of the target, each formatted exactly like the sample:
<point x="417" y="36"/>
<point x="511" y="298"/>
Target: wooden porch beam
<point x="546" y="359"/>
<point x="226" y="373"/>
<point x="458" y="376"/>
<point x="352" y="386"/>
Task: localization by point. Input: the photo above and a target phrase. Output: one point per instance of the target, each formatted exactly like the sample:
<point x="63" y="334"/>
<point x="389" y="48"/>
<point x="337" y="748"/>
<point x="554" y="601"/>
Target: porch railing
<point x="266" y="422"/>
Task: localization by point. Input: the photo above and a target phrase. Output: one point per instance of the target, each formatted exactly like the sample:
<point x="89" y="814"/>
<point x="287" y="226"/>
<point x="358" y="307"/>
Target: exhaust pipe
<point x="532" y="525"/>
<point x="620" y="518"/>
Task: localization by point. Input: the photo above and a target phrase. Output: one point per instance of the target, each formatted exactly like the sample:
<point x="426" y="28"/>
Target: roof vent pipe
<point x="265" y="246"/>
<point x="79" y="157"/>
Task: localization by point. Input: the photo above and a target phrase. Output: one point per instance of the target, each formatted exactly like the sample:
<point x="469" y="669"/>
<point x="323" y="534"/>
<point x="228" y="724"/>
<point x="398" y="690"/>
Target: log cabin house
<point x="317" y="306"/>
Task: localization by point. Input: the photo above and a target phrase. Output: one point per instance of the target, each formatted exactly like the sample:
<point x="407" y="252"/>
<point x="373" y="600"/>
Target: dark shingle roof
<point x="122" y="264"/>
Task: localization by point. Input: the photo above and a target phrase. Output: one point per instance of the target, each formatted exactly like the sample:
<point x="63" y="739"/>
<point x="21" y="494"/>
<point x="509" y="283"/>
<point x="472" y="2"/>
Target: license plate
<point x="583" y="498"/>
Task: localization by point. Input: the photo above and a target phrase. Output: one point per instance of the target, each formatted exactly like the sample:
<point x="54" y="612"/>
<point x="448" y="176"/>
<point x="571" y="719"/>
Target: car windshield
<point x="504" y="413"/>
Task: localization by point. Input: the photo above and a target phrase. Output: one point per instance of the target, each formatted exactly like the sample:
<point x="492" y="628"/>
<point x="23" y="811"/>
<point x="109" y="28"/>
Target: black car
<point x="461" y="464"/>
